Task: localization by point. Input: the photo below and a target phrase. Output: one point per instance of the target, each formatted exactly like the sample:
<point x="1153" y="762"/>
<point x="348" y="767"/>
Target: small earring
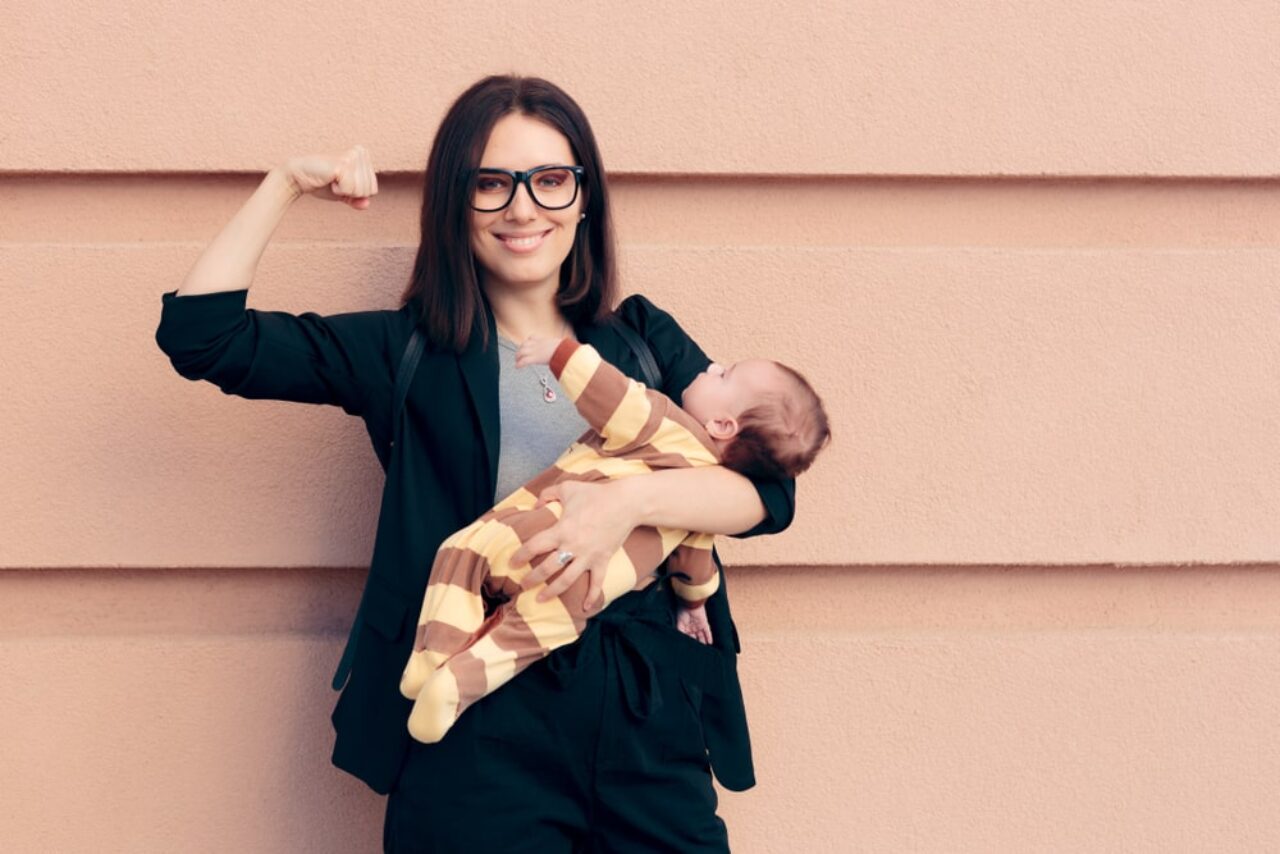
<point x="581" y="217"/>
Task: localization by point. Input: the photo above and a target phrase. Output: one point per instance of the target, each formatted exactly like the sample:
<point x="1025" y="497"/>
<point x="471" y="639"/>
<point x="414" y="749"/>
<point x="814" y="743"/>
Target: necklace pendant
<point x="548" y="393"/>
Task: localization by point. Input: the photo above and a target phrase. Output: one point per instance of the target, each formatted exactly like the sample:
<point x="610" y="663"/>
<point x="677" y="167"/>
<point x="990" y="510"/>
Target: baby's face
<point x="727" y="392"/>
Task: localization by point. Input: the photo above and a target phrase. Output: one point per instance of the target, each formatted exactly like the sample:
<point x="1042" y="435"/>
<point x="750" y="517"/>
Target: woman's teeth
<point x="523" y="242"/>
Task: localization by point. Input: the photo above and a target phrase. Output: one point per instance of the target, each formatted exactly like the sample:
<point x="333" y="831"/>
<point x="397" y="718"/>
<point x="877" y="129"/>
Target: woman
<point x="610" y="742"/>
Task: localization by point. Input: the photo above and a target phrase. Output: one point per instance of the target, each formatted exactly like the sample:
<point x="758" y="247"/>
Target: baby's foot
<point x="436" y="708"/>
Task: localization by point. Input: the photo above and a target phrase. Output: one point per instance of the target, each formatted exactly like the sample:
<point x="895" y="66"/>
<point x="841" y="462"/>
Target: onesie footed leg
<point x="436" y="642"/>
<point x="436" y="707"/>
<point x="452" y="613"/>
<point x="416" y="673"/>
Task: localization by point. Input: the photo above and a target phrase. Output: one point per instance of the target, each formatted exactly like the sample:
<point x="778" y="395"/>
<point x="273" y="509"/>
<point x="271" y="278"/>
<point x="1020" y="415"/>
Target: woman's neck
<point x="532" y="311"/>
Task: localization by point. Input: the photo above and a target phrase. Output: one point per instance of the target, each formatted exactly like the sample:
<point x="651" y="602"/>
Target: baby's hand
<point x="693" y="622"/>
<point x="536" y="350"/>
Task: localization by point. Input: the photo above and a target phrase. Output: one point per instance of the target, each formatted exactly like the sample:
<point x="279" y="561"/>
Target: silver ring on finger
<point x="563" y="557"/>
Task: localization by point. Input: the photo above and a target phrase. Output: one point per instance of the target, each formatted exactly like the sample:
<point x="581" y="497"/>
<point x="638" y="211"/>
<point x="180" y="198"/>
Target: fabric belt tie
<point x="638" y="634"/>
<point x="636" y="637"/>
<point x="626" y="636"/>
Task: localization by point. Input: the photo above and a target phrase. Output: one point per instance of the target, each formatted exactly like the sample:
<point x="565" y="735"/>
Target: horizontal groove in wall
<point x="788" y="600"/>
<point x="628" y="175"/>
<point x="729" y="210"/>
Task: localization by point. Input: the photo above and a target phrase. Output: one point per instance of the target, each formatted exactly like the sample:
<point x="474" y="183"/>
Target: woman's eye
<point x="550" y="181"/>
<point x="491" y="185"/>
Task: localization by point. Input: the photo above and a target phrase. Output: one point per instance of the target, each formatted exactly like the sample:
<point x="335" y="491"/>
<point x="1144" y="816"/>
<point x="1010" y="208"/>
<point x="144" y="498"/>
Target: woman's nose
<point x="522" y="207"/>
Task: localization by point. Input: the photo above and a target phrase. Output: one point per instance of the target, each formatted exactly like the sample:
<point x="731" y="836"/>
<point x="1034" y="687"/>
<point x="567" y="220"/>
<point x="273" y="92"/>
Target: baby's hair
<point x="780" y="436"/>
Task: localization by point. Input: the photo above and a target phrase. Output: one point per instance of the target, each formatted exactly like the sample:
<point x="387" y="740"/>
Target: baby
<point x="756" y="417"/>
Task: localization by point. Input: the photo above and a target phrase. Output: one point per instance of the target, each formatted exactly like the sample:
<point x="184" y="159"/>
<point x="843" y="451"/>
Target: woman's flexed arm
<point x="229" y="261"/>
<point x="208" y="333"/>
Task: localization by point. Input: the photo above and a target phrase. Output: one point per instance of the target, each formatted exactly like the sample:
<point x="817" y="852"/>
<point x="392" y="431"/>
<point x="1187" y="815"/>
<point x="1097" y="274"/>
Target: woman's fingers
<point x="368" y="177"/>
<point x="347" y="180"/>
<point x="367" y="181"/>
<point x="539" y="544"/>
<point x="551" y="493"/>
<point x="569" y="574"/>
<point x="549" y="567"/>
<point x="595" y="591"/>
<point x="565" y="580"/>
<point x="354" y="180"/>
<point x="348" y="177"/>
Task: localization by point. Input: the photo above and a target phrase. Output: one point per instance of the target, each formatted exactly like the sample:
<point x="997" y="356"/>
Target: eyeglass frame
<point x="518" y="178"/>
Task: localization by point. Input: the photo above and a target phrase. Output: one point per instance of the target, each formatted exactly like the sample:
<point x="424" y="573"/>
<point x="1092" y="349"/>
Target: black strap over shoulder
<point x="408" y="364"/>
<point x="644" y="355"/>
<point x="404" y="376"/>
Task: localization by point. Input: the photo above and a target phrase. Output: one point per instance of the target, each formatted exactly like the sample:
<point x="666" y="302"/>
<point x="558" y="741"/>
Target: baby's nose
<point x="715" y="369"/>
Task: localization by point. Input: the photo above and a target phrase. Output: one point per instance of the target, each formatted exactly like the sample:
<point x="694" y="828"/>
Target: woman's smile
<point x="523" y="243"/>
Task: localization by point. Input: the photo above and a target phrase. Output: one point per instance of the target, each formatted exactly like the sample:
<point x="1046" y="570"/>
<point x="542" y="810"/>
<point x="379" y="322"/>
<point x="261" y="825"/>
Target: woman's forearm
<point x="712" y="500"/>
<point x="229" y="262"/>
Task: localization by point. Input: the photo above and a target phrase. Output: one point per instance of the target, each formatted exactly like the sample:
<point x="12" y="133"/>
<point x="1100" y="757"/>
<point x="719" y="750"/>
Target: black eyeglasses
<point x="550" y="187"/>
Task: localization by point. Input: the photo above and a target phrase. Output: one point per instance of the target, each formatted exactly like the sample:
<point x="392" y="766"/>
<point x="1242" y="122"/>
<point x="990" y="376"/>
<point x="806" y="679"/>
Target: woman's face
<point x="523" y="245"/>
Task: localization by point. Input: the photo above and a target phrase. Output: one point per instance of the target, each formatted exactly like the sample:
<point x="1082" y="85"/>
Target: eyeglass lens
<point x="551" y="188"/>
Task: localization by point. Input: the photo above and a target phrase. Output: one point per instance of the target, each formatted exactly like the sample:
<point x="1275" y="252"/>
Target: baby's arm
<point x="692" y="559"/>
<point x="620" y="409"/>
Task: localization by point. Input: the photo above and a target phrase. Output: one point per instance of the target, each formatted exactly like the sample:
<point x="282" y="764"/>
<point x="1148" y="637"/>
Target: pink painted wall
<point x="1028" y="256"/>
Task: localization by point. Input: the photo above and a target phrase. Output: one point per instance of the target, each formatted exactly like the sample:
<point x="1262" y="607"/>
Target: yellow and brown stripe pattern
<point x="463" y="653"/>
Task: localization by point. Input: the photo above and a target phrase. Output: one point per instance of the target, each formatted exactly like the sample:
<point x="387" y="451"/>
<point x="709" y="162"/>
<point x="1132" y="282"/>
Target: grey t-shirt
<point x="535" y="430"/>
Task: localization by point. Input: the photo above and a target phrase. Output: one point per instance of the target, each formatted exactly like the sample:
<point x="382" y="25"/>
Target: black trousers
<point x="597" y="749"/>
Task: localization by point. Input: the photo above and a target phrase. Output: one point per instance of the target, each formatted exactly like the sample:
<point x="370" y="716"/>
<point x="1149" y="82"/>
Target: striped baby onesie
<point x="461" y="654"/>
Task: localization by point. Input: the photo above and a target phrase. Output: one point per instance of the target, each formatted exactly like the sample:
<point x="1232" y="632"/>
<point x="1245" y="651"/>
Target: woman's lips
<point x="522" y="244"/>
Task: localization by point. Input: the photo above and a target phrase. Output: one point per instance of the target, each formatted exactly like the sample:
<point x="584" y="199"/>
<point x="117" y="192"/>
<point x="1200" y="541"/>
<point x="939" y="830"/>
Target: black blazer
<point x="440" y="477"/>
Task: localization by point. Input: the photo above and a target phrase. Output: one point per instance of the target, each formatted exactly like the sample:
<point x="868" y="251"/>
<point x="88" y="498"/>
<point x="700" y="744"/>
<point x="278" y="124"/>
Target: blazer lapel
<point x="479" y="366"/>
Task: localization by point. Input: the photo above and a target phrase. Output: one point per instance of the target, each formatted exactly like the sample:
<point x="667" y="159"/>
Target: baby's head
<point x="765" y="417"/>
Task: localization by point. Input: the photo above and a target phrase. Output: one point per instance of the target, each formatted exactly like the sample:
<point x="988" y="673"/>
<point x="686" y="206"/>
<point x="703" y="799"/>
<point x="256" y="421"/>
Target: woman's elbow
<point x="778" y="500"/>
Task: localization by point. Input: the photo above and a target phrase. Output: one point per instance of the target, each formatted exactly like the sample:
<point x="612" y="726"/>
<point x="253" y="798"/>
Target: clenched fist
<point x="348" y="177"/>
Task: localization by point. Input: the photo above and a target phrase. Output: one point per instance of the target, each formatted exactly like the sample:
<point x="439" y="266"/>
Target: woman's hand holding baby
<point x="595" y="521"/>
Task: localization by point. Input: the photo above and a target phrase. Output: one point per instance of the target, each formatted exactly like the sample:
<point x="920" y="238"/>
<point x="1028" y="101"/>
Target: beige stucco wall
<point x="1028" y="254"/>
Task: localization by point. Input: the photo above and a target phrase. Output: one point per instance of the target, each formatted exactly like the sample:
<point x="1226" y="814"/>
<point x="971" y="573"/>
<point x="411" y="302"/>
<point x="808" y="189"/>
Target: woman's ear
<point x="722" y="429"/>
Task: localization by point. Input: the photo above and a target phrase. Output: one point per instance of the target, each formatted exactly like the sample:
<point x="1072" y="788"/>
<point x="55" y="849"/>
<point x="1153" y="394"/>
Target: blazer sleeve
<point x="681" y="359"/>
<point x="340" y="359"/>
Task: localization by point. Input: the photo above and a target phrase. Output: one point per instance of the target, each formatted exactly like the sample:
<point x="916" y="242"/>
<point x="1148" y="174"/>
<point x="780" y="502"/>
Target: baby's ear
<point x="722" y="429"/>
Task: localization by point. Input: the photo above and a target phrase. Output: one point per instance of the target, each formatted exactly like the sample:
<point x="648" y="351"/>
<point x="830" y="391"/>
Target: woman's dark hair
<point x="444" y="291"/>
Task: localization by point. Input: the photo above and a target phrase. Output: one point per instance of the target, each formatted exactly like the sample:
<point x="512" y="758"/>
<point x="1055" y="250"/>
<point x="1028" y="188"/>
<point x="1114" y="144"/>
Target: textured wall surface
<point x="1028" y="255"/>
<point x="937" y="87"/>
